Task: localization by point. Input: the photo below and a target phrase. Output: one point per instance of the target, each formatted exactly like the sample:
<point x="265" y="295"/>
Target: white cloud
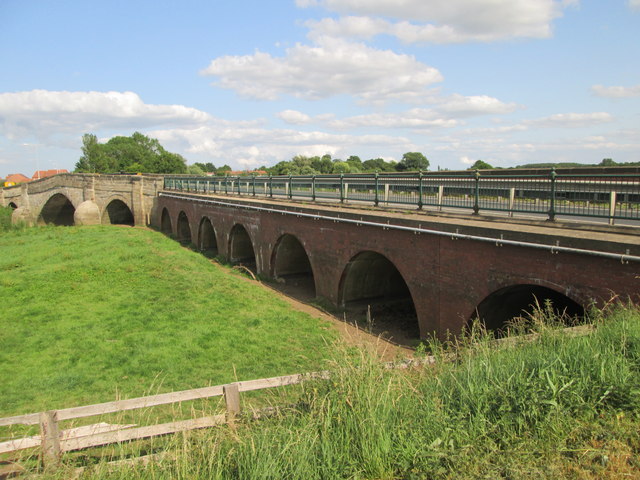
<point x="616" y="92"/>
<point x="571" y="120"/>
<point x="467" y="106"/>
<point x="634" y="4"/>
<point x="329" y="68"/>
<point x="247" y="146"/>
<point x="294" y="117"/>
<point x="415" y="118"/>
<point x="447" y="112"/>
<point x="440" y="22"/>
<point x="51" y="112"/>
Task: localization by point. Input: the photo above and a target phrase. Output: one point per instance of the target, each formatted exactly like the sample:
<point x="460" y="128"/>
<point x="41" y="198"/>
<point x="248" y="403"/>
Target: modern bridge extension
<point x="442" y="271"/>
<point x="433" y="272"/>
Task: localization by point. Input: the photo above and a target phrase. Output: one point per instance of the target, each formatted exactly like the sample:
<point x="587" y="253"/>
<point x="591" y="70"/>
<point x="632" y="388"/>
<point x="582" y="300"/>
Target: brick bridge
<point x="438" y="271"/>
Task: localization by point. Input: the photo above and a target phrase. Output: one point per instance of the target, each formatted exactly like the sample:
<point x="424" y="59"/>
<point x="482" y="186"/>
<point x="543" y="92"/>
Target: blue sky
<point x="250" y="83"/>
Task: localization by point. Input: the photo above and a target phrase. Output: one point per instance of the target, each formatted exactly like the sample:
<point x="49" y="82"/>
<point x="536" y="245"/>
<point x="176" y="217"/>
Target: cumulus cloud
<point x="294" y="117"/>
<point x="616" y="92"/>
<point x="440" y="22"/>
<point x="446" y="112"/>
<point x="51" y="112"/>
<point x="252" y="146"/>
<point x="329" y="68"/>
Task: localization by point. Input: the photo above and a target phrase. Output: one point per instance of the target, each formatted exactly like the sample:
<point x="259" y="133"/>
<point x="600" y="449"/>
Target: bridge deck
<point x="624" y="240"/>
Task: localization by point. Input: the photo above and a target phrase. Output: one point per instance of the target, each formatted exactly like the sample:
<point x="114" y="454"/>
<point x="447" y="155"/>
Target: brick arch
<point x="57" y="210"/>
<point x="165" y="222"/>
<point x="371" y="279"/>
<point x="291" y="265"/>
<point x="12" y="205"/>
<point x="241" y="247"/>
<point x="519" y="299"/>
<point x="207" y="238"/>
<point x="183" y="228"/>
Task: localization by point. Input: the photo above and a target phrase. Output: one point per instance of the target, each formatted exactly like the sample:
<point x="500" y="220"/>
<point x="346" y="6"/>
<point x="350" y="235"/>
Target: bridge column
<point x="89" y="188"/>
<point x="140" y="212"/>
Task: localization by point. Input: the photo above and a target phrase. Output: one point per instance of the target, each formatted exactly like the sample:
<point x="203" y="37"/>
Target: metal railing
<point x="610" y="196"/>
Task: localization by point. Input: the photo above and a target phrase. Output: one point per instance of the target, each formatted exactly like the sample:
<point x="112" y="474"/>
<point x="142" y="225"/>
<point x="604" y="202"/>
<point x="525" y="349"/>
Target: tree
<point x="195" y="169"/>
<point x="378" y="165"/>
<point x="412" y="161"/>
<point x="480" y="165"/>
<point x="608" y="162"/>
<point x="322" y="165"/>
<point x="137" y="153"/>
<point x="94" y="159"/>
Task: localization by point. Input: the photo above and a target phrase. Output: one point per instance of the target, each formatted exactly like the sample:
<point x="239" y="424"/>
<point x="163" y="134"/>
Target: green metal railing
<point x="611" y="196"/>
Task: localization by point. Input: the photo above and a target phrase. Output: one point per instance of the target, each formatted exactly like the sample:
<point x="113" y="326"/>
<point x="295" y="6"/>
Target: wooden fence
<point x="53" y="441"/>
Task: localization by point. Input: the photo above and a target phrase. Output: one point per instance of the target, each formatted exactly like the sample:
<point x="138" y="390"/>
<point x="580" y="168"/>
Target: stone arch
<point x="117" y="212"/>
<point x="165" y="222"/>
<point x="371" y="280"/>
<point x="241" y="249"/>
<point x="183" y="229"/>
<point x="12" y="205"/>
<point x="499" y="308"/>
<point x="207" y="241"/>
<point x="58" y="210"/>
<point x="290" y="265"/>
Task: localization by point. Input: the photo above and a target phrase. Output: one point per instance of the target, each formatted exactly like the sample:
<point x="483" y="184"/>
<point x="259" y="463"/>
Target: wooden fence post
<point x="50" y="437"/>
<point x="232" y="400"/>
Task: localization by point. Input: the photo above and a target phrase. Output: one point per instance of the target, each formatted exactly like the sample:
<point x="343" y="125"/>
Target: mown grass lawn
<point x="88" y="314"/>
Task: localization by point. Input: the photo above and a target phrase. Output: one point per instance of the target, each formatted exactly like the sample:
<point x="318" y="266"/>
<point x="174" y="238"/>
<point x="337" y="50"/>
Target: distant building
<point x="14" y="179"/>
<point x="47" y="173"/>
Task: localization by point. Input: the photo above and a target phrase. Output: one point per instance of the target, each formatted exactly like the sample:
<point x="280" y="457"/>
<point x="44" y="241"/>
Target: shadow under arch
<point x="241" y="250"/>
<point x="12" y="205"/>
<point x="501" y="307"/>
<point x="165" y="222"/>
<point x="291" y="267"/>
<point x="183" y="229"/>
<point x="207" y="242"/>
<point x="371" y="280"/>
<point x="57" y="211"/>
<point x="118" y="213"/>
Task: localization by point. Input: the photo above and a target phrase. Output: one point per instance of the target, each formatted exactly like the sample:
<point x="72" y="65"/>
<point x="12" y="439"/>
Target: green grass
<point x="90" y="314"/>
<point x="557" y="407"/>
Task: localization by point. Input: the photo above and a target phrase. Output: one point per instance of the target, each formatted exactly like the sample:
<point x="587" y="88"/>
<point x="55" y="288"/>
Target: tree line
<point x="141" y="154"/>
<point x="318" y="165"/>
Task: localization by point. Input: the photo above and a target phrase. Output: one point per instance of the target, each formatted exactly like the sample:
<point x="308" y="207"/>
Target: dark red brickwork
<point x="447" y="278"/>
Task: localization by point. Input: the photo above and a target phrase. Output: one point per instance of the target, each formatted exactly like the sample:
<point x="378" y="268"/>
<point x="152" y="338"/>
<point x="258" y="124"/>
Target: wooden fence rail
<point x="53" y="442"/>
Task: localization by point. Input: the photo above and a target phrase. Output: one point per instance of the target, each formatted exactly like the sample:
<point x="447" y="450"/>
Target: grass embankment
<point x="90" y="314"/>
<point x="557" y="407"/>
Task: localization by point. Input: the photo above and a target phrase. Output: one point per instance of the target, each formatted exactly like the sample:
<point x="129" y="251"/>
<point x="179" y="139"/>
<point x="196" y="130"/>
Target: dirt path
<point x="349" y="332"/>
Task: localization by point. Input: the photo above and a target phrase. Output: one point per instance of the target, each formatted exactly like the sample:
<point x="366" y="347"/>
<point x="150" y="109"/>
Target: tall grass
<point x="556" y="407"/>
<point x="5" y="219"/>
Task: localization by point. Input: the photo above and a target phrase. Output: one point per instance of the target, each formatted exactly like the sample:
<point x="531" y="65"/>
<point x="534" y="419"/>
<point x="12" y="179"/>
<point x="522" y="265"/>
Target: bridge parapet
<point x="614" y="195"/>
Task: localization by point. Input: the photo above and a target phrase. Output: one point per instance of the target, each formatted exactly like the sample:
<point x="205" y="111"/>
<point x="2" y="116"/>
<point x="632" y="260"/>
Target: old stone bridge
<point x="434" y="273"/>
